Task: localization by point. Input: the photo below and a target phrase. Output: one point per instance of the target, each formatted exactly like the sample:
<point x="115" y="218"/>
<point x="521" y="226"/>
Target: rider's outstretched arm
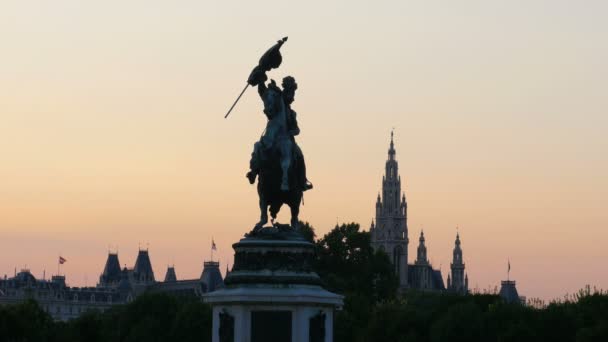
<point x="258" y="78"/>
<point x="262" y="89"/>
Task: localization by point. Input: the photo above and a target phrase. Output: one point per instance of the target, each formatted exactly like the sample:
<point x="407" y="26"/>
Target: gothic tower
<point x="421" y="258"/>
<point x="458" y="281"/>
<point x="389" y="231"/>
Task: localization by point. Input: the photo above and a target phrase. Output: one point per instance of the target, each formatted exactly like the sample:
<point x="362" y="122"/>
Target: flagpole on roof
<point x="213" y="247"/>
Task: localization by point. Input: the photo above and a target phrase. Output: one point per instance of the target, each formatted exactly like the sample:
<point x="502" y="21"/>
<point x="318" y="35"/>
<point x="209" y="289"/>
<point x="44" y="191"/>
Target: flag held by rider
<point x="271" y="59"/>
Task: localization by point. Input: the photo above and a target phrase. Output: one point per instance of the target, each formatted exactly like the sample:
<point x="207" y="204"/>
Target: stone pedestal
<point x="272" y="294"/>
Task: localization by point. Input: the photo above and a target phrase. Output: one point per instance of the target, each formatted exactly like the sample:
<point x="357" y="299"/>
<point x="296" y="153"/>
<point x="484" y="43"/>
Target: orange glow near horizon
<point x="112" y="130"/>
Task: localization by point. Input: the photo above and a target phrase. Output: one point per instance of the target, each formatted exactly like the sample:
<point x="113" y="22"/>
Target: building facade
<point x="116" y="286"/>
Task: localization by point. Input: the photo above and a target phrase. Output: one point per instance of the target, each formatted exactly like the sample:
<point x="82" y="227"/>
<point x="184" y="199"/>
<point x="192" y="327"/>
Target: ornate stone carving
<point x="273" y="261"/>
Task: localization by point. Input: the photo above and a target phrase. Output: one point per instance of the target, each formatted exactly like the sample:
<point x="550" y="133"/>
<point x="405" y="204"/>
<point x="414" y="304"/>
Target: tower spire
<point x="421" y="257"/>
<point x="389" y="230"/>
<point x="391" y="150"/>
<point x="459" y="280"/>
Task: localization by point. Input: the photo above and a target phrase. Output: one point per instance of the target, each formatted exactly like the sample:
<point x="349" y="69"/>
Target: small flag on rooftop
<point x="62" y="260"/>
<point x="213" y="247"/>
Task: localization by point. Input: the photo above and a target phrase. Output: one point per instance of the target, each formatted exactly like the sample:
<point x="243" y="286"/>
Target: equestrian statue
<point x="276" y="161"/>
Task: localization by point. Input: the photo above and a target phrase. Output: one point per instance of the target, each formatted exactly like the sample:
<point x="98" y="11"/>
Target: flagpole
<point x="237" y="100"/>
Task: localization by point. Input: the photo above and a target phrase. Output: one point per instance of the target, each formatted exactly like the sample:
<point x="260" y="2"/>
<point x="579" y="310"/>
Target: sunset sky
<point x="112" y="130"/>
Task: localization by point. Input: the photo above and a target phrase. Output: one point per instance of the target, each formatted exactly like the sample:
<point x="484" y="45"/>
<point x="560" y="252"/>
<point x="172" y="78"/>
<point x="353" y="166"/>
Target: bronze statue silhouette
<point x="274" y="163"/>
<point x="276" y="160"/>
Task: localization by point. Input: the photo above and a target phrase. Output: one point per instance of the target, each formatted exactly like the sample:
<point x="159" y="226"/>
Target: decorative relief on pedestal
<point x="273" y="261"/>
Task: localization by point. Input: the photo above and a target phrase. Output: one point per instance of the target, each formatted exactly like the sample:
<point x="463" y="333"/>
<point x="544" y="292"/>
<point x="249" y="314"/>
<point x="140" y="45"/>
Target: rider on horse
<point x="268" y="140"/>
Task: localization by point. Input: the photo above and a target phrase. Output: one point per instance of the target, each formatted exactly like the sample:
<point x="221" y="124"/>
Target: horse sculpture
<point x="278" y="166"/>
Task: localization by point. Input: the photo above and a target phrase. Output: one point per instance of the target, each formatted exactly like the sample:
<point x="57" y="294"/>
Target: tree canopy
<point x="373" y="310"/>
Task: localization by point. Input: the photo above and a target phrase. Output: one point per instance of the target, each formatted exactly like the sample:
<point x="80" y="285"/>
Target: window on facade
<point x="397" y="252"/>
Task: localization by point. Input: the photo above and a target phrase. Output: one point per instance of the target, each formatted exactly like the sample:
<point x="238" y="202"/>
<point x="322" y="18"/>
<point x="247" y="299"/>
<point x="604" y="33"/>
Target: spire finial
<point x="391" y="150"/>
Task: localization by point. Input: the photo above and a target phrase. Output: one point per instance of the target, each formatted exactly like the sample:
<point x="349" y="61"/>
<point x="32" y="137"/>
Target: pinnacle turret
<point x="391" y="150"/>
<point x="460" y="282"/>
<point x="421" y="258"/>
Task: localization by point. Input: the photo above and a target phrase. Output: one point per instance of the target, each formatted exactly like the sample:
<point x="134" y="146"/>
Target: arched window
<point x="397" y="253"/>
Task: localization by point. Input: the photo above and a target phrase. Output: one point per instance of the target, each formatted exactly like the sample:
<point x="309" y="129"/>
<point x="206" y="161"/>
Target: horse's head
<point x="273" y="100"/>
